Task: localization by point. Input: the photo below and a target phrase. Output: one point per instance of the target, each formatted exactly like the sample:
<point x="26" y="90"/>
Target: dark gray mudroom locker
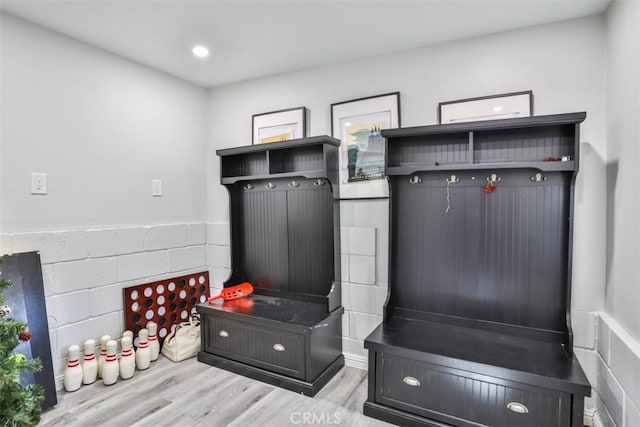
<point x="477" y="324"/>
<point x="285" y="240"/>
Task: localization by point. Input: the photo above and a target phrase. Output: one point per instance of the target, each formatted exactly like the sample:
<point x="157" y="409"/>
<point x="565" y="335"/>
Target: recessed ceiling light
<point x="200" y="51"/>
<point x="497" y="108"/>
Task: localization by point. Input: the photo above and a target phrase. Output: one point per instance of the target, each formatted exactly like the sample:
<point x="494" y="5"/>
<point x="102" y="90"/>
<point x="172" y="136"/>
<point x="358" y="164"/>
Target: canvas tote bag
<point x="184" y="341"/>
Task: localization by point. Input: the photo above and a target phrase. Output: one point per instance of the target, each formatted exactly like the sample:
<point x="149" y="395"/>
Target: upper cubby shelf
<point x="547" y="143"/>
<point x="312" y="157"/>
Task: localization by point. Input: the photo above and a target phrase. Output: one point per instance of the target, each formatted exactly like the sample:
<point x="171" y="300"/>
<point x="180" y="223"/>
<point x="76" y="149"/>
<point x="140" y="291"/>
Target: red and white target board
<point x="166" y="302"/>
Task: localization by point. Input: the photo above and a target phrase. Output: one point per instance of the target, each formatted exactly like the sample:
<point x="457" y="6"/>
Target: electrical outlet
<point x="156" y="188"/>
<point x="38" y="183"/>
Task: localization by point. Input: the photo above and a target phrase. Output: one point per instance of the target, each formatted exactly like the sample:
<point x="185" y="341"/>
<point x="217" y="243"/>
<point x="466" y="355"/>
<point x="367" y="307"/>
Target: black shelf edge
<point x="304" y="174"/>
<point x="542" y="166"/>
<point x="292" y="143"/>
<point x="553" y="119"/>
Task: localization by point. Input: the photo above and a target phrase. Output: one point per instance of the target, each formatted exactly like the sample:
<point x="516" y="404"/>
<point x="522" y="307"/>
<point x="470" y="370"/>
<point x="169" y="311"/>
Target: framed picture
<point x="281" y="125"/>
<point x="357" y="124"/>
<point x="493" y="107"/>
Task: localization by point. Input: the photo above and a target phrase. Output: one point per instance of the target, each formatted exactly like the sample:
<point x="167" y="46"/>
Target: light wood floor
<point x="195" y="394"/>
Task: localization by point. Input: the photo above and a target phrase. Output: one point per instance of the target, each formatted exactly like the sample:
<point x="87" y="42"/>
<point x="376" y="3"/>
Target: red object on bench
<point x="233" y="292"/>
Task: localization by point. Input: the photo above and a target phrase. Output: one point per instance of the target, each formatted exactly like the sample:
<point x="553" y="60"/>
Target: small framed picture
<point x="358" y="123"/>
<point x="492" y="107"/>
<point x="281" y="125"/>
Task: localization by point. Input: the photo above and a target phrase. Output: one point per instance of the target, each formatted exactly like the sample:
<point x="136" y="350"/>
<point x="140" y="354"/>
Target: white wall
<point x="623" y="157"/>
<point x="562" y="63"/>
<point x="102" y="128"/>
<point x="618" y="339"/>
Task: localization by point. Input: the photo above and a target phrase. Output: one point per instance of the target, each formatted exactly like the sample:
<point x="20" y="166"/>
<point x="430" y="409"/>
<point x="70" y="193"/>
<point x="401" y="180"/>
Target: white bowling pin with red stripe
<point x="143" y="353"/>
<point x="90" y="363"/>
<point x="103" y="353"/>
<point x="73" y="372"/>
<point x="110" y="369"/>
<point x="127" y="358"/>
<point x="154" y="345"/>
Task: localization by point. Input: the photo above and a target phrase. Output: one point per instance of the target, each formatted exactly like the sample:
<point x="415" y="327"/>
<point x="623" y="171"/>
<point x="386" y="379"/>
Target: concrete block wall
<point x="84" y="272"/>
<point x="364" y="251"/>
<point x="610" y="358"/>
<point x="617" y="397"/>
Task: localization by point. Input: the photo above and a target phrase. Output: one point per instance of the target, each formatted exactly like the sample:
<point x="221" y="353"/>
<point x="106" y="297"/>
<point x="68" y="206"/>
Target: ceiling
<point x="252" y="39"/>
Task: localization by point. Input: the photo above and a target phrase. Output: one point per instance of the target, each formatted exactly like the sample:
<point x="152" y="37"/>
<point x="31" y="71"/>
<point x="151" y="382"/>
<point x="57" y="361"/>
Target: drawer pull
<point x="223" y="333"/>
<point x="278" y="347"/>
<point x="413" y="382"/>
<point x="517" y="407"/>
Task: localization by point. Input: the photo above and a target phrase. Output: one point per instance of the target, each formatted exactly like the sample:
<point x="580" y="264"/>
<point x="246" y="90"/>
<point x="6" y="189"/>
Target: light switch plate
<point x="156" y="187"/>
<point x="38" y="183"/>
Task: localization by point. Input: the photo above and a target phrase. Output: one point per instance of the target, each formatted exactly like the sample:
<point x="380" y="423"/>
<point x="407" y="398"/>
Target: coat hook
<point x="248" y="187"/>
<point x="453" y="179"/>
<point x="538" y="177"/>
<point x="270" y="185"/>
<point x="294" y="184"/>
<point x="493" y="179"/>
<point x="490" y="187"/>
<point x="319" y="182"/>
<point x="415" y="179"/>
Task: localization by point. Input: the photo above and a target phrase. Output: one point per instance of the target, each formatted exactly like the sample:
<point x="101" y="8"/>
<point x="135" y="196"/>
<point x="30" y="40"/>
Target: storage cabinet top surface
<point x="293" y="143"/>
<point x="517" y="123"/>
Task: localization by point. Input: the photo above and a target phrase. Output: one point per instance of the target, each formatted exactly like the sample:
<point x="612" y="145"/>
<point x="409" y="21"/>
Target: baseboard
<point x="590" y="419"/>
<point x="59" y="380"/>
<point x="355" y="361"/>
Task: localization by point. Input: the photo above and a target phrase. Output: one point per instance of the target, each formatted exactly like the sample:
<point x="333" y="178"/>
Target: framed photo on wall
<point x="492" y="107"/>
<point x="357" y="123"/>
<point x="281" y="125"/>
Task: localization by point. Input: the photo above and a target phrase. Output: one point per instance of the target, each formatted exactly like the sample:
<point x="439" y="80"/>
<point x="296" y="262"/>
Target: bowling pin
<point x="154" y="345"/>
<point x="110" y="368"/>
<point x="73" y="372"/>
<point x="129" y="334"/>
<point x="127" y="358"/>
<point x="143" y="353"/>
<point x="90" y="364"/>
<point x="103" y="353"/>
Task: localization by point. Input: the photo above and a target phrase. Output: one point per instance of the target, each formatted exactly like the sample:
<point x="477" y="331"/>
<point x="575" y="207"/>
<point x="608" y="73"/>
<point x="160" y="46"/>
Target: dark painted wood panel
<point x="532" y="144"/>
<point x="296" y="159"/>
<point x="256" y="345"/>
<point x="491" y="256"/>
<point x="310" y="234"/>
<point x="430" y="150"/>
<point x="448" y="394"/>
<point x="263" y="243"/>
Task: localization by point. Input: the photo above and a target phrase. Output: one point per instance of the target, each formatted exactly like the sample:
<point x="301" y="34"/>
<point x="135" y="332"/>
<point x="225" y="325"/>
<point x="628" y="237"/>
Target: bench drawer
<point x="278" y="351"/>
<point x="464" y="398"/>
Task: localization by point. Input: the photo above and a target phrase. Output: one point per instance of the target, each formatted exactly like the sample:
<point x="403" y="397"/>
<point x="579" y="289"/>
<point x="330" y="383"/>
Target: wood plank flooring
<point x="195" y="394"/>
